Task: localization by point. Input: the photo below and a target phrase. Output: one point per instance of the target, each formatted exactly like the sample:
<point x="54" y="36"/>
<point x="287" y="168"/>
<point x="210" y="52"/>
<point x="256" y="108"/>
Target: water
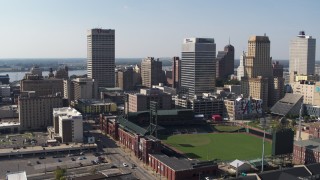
<point x="16" y="76"/>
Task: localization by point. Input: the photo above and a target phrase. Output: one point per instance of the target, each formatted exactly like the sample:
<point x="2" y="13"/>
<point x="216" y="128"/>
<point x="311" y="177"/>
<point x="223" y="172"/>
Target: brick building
<point x="180" y="168"/>
<point x="314" y="130"/>
<point x="306" y="151"/>
<point x="149" y="150"/>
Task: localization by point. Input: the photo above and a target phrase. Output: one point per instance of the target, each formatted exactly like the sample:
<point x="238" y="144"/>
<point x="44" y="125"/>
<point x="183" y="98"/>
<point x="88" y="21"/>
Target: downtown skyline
<point x="57" y="29"/>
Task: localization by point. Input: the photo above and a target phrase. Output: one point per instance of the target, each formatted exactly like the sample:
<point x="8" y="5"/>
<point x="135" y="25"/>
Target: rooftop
<point x="259" y="38"/>
<point x="94" y="102"/>
<point x="180" y="164"/>
<point x="66" y="112"/>
<point x="17" y="176"/>
<point x="131" y="126"/>
<point x="313" y="144"/>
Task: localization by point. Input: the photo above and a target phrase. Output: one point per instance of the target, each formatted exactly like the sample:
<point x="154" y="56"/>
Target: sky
<point x="156" y="28"/>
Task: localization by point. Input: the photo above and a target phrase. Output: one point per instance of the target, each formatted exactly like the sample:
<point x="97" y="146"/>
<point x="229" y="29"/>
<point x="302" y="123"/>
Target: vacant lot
<point x="223" y="146"/>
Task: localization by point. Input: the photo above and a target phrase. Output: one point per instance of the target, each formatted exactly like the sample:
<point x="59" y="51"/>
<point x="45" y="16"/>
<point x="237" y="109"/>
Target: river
<point x="15" y="76"/>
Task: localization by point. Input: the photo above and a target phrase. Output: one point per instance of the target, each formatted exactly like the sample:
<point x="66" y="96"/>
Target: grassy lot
<point x="226" y="128"/>
<point x="221" y="146"/>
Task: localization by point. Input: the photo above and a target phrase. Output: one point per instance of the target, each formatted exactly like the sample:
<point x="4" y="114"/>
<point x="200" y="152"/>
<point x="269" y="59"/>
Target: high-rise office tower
<point x="258" y="74"/>
<point x="258" y="61"/>
<point x="277" y="69"/>
<point x="151" y="72"/>
<point x="176" y="72"/>
<point x="125" y="78"/>
<point x="225" y="62"/>
<point x="302" y="54"/>
<point x="198" y="65"/>
<point x="101" y="56"/>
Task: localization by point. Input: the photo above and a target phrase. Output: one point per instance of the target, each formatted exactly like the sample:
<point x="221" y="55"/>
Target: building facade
<point x="126" y="79"/>
<point x="277" y="69"/>
<point x="258" y="74"/>
<point x="5" y="90"/>
<point x="176" y="72"/>
<point x="198" y="66"/>
<point x="35" y="112"/>
<point x="42" y="86"/>
<point x="302" y="54"/>
<point x="141" y="101"/>
<point x="306" y="151"/>
<point x="62" y="73"/>
<point x="4" y="79"/>
<point x="310" y="91"/>
<point x="205" y="105"/>
<point x="225" y="62"/>
<point x="240" y="69"/>
<point x="95" y="107"/>
<point x="70" y="124"/>
<point x="256" y="88"/>
<point x="243" y="108"/>
<point x="151" y="72"/>
<point x="101" y="56"/>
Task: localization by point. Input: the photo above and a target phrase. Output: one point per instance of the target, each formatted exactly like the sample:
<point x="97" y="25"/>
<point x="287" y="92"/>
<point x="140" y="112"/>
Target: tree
<point x="59" y="173"/>
<point x="93" y="170"/>
<point x="293" y="122"/>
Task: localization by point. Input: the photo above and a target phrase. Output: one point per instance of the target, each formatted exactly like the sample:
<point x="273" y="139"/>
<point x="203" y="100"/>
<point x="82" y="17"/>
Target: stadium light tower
<point x="264" y="124"/>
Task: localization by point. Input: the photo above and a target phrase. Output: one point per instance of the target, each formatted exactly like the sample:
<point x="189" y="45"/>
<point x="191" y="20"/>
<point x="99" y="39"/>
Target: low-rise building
<point x="310" y="91"/>
<point x="68" y="125"/>
<point x="80" y="88"/>
<point x="243" y="108"/>
<point x="290" y="104"/>
<point x="141" y="101"/>
<point x="306" y="151"/>
<point x="95" y="107"/>
<point x="206" y="105"/>
<point x="174" y="168"/>
<point x="5" y="90"/>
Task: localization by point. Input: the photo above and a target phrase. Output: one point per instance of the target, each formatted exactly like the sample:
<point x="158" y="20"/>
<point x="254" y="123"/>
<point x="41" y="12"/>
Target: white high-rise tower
<point x="302" y="54"/>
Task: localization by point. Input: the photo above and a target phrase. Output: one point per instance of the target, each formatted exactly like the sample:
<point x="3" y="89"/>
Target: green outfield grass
<point x="226" y="128"/>
<point x="223" y="146"/>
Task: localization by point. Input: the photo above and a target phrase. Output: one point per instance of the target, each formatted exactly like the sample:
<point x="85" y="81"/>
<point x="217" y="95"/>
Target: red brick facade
<point x="169" y="173"/>
<point x="302" y="155"/>
<point x="144" y="146"/>
<point x="314" y="130"/>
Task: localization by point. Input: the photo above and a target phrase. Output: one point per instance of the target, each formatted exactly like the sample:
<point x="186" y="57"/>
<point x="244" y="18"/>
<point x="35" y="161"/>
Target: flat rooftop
<point x="181" y="164"/>
<point x="313" y="144"/>
<point x="40" y="149"/>
<point x="66" y="112"/>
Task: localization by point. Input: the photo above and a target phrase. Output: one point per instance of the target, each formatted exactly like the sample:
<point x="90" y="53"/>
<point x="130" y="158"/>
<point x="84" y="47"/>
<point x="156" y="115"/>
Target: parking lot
<point x="38" y="164"/>
<point x="23" y="140"/>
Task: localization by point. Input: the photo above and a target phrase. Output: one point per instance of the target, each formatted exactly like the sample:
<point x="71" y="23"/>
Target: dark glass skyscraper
<point x="101" y="56"/>
<point x="225" y="62"/>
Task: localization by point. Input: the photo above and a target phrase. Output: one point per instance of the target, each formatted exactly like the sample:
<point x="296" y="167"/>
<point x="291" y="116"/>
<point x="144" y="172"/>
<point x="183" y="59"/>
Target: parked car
<point x="125" y="165"/>
<point x="73" y="159"/>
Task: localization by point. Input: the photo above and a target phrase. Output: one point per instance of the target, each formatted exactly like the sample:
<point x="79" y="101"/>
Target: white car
<point x="125" y="165"/>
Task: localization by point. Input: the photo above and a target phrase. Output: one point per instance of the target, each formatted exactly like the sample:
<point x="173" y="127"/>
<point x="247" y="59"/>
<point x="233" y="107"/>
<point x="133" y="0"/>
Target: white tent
<point x="242" y="166"/>
<point x="17" y="176"/>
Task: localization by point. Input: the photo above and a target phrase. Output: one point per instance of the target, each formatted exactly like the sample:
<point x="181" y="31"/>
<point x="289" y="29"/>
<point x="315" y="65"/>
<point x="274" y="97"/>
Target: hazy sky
<point x="57" y="28"/>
